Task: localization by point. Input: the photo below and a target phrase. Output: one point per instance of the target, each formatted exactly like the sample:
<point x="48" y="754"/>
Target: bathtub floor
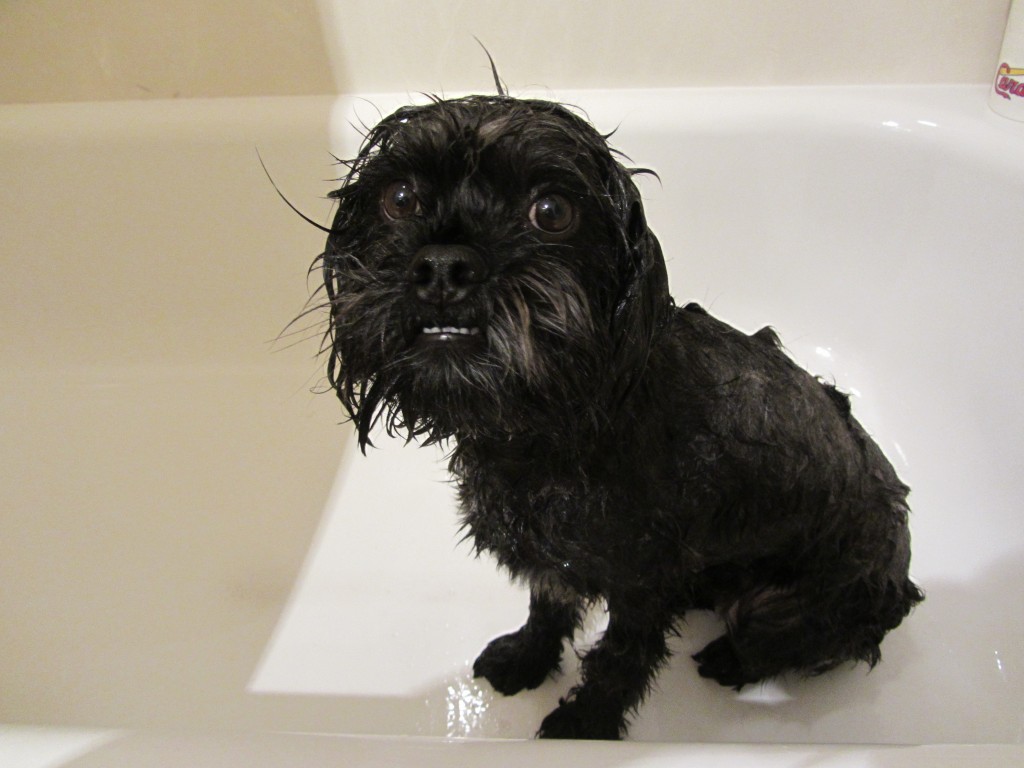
<point x="49" y="748"/>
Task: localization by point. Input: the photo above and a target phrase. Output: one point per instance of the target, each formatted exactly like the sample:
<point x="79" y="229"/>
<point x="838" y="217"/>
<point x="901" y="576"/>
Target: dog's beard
<point x="536" y="356"/>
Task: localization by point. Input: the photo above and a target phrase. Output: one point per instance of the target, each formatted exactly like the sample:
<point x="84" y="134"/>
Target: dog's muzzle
<point x="443" y="279"/>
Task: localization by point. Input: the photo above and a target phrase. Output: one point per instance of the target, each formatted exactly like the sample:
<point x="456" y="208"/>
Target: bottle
<point x="1006" y="96"/>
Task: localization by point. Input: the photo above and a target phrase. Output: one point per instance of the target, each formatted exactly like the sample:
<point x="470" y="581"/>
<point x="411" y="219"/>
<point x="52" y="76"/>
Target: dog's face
<point x="489" y="273"/>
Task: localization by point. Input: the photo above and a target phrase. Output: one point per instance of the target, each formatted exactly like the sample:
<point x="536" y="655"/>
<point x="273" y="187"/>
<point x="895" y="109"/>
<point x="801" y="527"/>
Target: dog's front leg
<point x="616" y="673"/>
<point x="525" y="658"/>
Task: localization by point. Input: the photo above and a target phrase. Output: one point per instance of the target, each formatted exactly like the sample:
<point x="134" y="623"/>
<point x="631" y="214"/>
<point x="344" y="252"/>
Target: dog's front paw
<point x="574" y="720"/>
<point x="511" y="663"/>
<point x="719" y="662"/>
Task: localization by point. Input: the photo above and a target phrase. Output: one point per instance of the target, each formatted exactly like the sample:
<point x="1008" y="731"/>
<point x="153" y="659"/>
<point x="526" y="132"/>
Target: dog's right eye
<point x="399" y="200"/>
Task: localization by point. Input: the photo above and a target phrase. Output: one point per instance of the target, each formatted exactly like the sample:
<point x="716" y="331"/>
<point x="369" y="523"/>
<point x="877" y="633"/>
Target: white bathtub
<point x="165" y="472"/>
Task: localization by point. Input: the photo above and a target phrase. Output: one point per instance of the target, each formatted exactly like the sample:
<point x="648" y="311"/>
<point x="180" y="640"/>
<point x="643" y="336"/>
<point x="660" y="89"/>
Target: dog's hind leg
<point x="617" y="673"/>
<point x="524" y="659"/>
<point x="801" y="627"/>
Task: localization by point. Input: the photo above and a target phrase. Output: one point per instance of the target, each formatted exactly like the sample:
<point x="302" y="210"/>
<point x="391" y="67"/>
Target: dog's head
<point x="489" y="273"/>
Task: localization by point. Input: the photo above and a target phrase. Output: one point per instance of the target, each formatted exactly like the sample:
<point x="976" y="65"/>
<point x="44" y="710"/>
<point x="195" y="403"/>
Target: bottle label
<point x="1010" y="81"/>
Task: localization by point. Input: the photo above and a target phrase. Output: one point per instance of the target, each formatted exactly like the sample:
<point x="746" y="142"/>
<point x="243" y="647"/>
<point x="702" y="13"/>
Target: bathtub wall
<point x="81" y="50"/>
<point x="163" y="460"/>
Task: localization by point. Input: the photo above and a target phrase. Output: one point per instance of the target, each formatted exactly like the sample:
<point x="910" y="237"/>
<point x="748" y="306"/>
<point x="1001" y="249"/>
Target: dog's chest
<point x="550" y="529"/>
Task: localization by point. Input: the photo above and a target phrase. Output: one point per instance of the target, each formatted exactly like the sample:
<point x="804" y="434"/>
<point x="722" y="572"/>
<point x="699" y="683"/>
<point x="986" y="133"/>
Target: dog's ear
<point x="347" y="283"/>
<point x="643" y="303"/>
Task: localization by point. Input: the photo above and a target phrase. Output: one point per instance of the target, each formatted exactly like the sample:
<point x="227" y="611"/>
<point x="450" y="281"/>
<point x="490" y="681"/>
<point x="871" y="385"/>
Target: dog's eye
<point x="552" y="214"/>
<point x="399" y="200"/>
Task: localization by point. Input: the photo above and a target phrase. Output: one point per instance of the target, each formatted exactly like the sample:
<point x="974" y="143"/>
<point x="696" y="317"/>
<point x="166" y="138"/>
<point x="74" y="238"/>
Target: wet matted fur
<point x="492" y="282"/>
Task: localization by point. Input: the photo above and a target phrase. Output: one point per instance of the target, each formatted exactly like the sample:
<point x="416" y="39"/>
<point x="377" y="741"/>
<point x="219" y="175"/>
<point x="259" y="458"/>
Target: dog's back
<point x="797" y="517"/>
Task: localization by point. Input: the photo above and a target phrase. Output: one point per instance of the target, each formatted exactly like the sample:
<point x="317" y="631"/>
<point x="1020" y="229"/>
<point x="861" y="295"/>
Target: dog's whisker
<point x="309" y="309"/>
<point x="298" y="341"/>
<point x="301" y="335"/>
<point x="294" y="328"/>
<point x="288" y="202"/>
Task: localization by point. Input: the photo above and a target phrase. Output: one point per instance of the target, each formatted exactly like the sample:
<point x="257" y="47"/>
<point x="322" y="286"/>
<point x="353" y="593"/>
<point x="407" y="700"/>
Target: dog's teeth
<point x="450" y="330"/>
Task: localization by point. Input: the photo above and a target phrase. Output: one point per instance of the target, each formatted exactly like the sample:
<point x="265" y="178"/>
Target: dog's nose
<point x="446" y="274"/>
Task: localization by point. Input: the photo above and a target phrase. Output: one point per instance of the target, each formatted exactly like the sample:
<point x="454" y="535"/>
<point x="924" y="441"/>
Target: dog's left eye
<point x="552" y="214"/>
<point x="399" y="200"/>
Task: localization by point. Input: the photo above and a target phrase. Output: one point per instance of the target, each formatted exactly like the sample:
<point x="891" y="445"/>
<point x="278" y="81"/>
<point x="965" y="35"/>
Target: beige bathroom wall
<point x="85" y="50"/>
<point x="164" y="459"/>
<point x="75" y="50"/>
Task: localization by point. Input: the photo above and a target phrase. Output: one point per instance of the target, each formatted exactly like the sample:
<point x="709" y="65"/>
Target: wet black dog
<point x="492" y="281"/>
